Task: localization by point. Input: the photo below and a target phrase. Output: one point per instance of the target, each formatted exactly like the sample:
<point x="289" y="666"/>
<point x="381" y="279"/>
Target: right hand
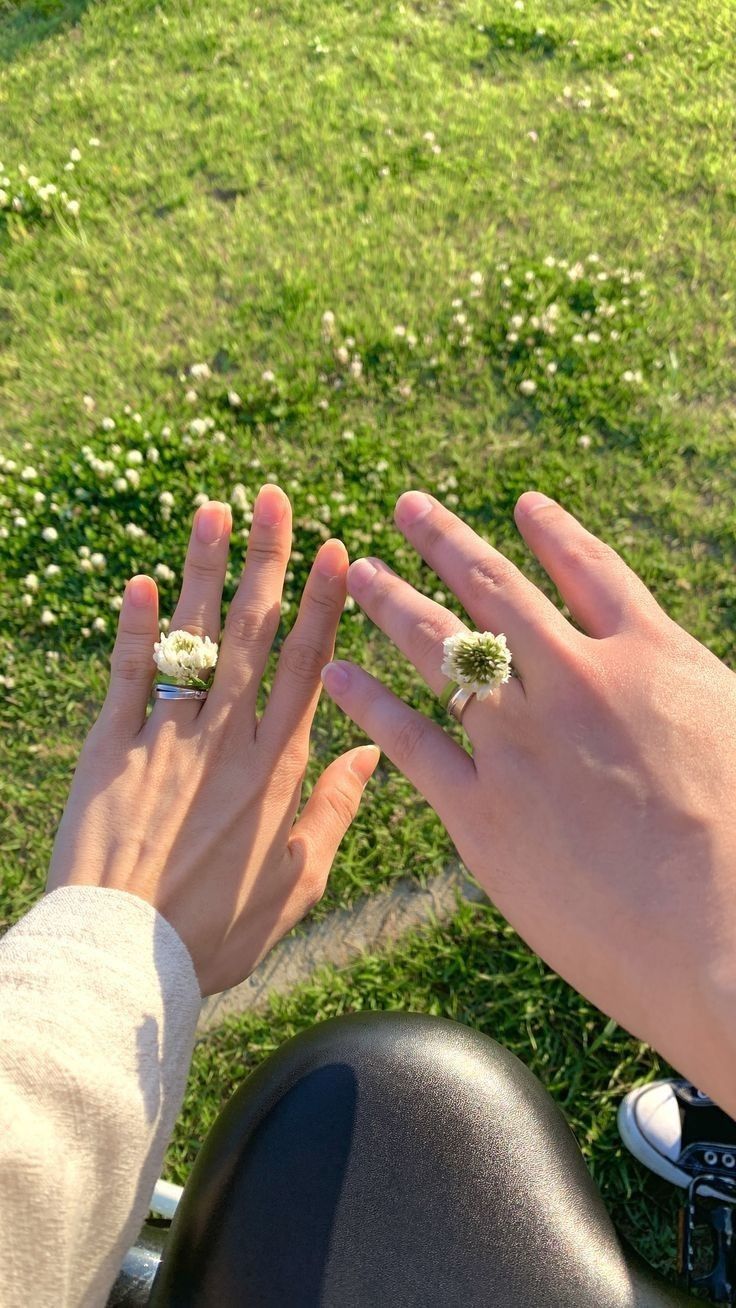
<point x="597" y="807"/>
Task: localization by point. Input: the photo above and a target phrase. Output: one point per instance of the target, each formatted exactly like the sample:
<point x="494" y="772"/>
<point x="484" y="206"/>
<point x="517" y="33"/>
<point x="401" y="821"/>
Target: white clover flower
<point x="28" y="474"/>
<point x="527" y="386"/>
<point x="134" y="531"/>
<point x="108" y="424"/>
<point x="476" y="279"/>
<point x="99" y="624"/>
<point x="268" y="376"/>
<point x="200" y="371"/>
<point x="239" y="498"/>
<point x="50" y="534"/>
<point x="133" y="477"/>
<point x="399" y="330"/>
<point x="20" y="521"/>
<point x="576" y="272"/>
<point x="185" y="657"/>
<point x="198" y="426"/>
<point x="83" y="551"/>
<point x="116" y="603"/>
<point x="584" y="442"/>
<point x="48" y="617"/>
<point x="85" y="565"/>
<point x="152" y="454"/>
<point x="166" y="500"/>
<point x="52" y="655"/>
<point x="52" y="570"/>
<point x="120" y="484"/>
<point x="26" y="601"/>
<point x="134" y="457"/>
<point x="342" y="354"/>
<point x="234" y="399"/>
<point x="72" y="207"/>
<point x="552" y="368"/>
<point x="75" y="155"/>
<point x="594" y="337"/>
<point x="477" y="660"/>
<point x="201" y="499"/>
<point x="94" y="141"/>
<point x="164" y="572"/>
<point x="356" y="367"/>
<point x="31" y="582"/>
<point x="98" y="561"/>
<point x="191" y="396"/>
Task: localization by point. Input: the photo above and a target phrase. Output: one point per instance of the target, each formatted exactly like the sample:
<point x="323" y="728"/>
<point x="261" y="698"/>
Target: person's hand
<point x="193" y="808"/>
<point x="597" y="808"/>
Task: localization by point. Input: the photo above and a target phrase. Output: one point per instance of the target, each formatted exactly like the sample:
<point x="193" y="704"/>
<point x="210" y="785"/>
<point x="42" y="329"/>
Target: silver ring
<point x="458" y="702"/>
<point x="162" y="690"/>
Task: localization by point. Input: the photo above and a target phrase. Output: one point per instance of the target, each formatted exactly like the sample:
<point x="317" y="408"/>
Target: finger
<point x="198" y="609"/>
<point x="307" y="648"/>
<point x="200" y="598"/>
<point x="600" y="590"/>
<point x="496" y="594"/>
<point x="132" y="667"/>
<point x="418" y="626"/>
<point x="254" y="614"/>
<point x="327" y="815"/>
<point x="434" y="763"/>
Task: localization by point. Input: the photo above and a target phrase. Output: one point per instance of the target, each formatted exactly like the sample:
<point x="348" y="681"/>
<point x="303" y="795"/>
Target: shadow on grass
<point x="23" y="23"/>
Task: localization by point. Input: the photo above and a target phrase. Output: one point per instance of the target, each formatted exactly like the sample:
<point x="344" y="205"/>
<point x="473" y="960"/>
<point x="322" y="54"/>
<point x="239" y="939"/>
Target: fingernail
<point x="335" y="677"/>
<point x="213" y="520"/>
<point x="364" y="762"/>
<point x="360" y="575"/>
<point x="269" y="507"/>
<point x="331" y="559"/>
<point x="412" y="506"/>
<point x="533" y="500"/>
<point x="139" y="591"/>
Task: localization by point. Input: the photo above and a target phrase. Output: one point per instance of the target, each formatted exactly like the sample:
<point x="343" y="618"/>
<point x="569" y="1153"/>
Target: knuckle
<point x="202" y="570"/>
<point x="252" y="624"/>
<point x="131" y="660"/>
<point x="491" y="573"/>
<point x="411" y="739"/>
<point x="342" y="805"/>
<point x="429" y="633"/>
<point x="588" y="554"/>
<point x="303" y="659"/>
<point x="438" y="528"/>
<point x="321" y="603"/>
<point x="264" y="550"/>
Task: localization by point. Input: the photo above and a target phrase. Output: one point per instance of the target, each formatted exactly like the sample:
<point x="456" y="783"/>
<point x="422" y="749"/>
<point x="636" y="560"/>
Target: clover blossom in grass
<point x="477" y="660"/>
<point x="184" y="658"/>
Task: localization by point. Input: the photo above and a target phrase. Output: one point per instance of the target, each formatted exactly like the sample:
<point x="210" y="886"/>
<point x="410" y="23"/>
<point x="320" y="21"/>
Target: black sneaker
<point x="678" y="1132"/>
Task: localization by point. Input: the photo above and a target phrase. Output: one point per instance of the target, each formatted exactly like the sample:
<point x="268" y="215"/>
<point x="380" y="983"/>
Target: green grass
<point x="476" y="971"/>
<point x="259" y="166"/>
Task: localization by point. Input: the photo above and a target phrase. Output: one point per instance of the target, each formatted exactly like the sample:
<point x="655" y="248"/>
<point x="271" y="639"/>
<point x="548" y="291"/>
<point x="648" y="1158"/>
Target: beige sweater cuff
<point x="99" y="1002"/>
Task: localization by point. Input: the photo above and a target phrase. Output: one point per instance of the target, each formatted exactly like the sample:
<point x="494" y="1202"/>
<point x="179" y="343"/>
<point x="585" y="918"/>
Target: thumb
<point x="327" y="815"/>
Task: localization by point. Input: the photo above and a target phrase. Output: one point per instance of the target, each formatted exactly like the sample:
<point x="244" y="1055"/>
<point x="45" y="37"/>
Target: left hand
<point x="192" y="808"/>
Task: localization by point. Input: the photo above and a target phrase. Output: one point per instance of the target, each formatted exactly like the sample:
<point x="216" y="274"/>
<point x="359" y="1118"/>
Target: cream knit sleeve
<point x="98" y="1008"/>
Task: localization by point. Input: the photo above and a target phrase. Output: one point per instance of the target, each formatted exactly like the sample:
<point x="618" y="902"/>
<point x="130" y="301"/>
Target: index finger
<point x="497" y="596"/>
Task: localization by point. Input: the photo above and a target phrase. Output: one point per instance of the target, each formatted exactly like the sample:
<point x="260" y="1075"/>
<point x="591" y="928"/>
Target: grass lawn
<point x="522" y="223"/>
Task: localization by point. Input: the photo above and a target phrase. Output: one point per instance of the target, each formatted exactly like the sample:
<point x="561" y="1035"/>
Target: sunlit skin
<point x="596" y="804"/>
<point x="193" y="807"/>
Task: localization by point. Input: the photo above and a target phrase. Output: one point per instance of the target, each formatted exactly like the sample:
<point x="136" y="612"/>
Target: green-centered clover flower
<point x="477" y="660"/>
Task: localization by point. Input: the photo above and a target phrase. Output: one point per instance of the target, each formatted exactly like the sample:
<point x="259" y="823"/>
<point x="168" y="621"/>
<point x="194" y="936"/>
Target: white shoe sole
<point x="639" y="1146"/>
